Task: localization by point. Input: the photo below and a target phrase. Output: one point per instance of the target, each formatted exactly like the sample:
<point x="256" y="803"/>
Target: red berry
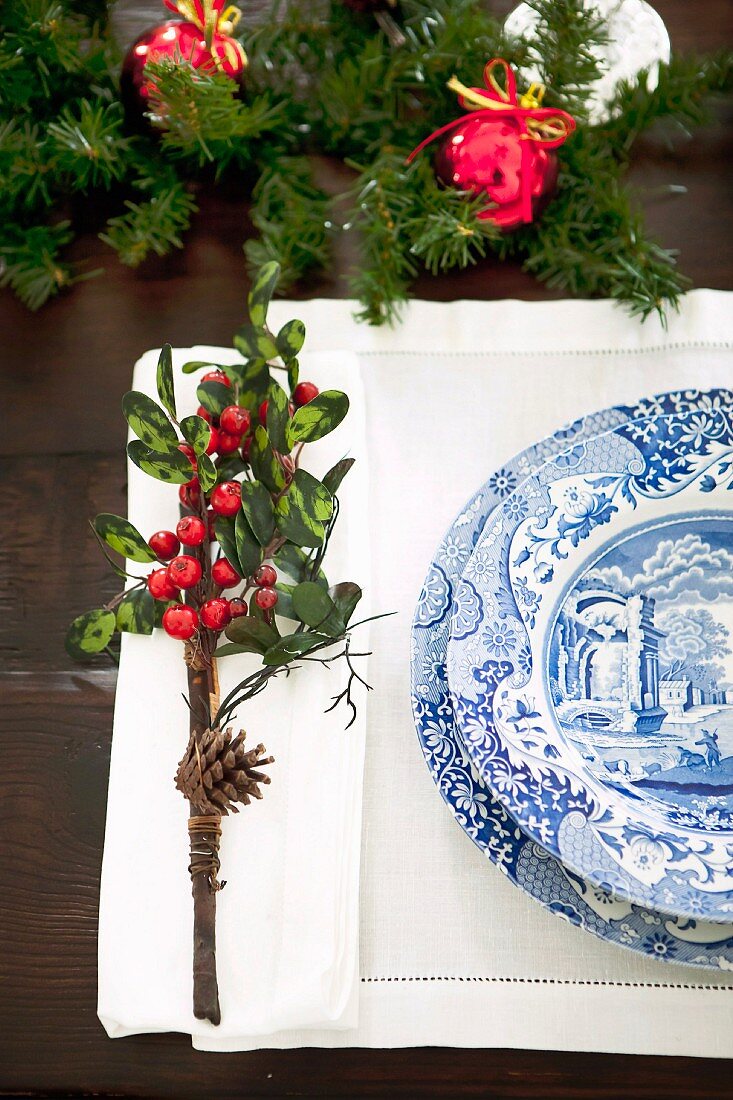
<point x="180" y="621"/>
<point x="164" y="545"/>
<point x="226" y="498"/>
<point x="204" y="414"/>
<point x="246" y="448"/>
<point x="266" y="598"/>
<point x="160" y="586"/>
<point x="224" y="574"/>
<point x="190" y="494"/>
<point x="265" y="576"/>
<point x="262" y="413"/>
<point x="213" y="444"/>
<point x="217" y="376"/>
<point x="227" y="444"/>
<point x="235" y="420"/>
<point x="184" y="571"/>
<point x="189" y="452"/>
<point x="304" y="392"/>
<point x="191" y="530"/>
<point x="237" y="608"/>
<point x="215" y="613"/>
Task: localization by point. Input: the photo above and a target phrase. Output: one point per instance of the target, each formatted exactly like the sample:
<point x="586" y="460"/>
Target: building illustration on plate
<point x="604" y="661"/>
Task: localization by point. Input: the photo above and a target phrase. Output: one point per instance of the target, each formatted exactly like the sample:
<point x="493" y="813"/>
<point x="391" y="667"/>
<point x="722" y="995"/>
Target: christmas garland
<point x="328" y="78"/>
<point x="251" y="516"/>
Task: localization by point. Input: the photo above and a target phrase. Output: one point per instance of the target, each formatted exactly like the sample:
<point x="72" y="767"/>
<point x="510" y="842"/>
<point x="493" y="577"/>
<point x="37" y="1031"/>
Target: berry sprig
<point x="245" y="560"/>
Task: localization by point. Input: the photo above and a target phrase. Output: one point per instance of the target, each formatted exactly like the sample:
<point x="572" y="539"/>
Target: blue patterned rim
<point x="479" y="814"/>
<point x="587" y="757"/>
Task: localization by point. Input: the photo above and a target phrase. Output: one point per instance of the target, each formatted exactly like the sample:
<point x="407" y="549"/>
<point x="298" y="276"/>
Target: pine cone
<point x="219" y="772"/>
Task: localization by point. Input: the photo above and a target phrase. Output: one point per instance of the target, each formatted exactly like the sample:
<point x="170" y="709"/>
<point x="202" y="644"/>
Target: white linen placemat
<point x="451" y="952"/>
<point x="287" y="922"/>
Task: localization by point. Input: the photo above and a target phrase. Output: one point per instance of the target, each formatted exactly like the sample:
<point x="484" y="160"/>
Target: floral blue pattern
<point x="481" y="815"/>
<point x="645" y="847"/>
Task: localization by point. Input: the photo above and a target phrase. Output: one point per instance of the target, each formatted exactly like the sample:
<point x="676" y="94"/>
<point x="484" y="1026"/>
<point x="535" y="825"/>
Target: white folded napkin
<point x="287" y="922"/>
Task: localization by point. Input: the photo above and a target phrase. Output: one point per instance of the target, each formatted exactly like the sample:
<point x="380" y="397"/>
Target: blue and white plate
<point x="590" y="659"/>
<point x="476" y="810"/>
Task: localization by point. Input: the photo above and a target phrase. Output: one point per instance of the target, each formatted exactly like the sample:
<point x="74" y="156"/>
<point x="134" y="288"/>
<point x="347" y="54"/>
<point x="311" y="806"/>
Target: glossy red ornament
<point x="215" y="613"/>
<point x="224" y="574"/>
<point x="503" y="150"/>
<point x="184" y="571"/>
<point x="176" y="40"/>
<point x="180" y="621"/>
<point x="164" y="545"/>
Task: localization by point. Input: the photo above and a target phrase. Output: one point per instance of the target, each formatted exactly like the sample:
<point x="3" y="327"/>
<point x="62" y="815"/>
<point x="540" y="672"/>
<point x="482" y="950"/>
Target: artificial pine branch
<point x="152" y="226"/>
<point x="290" y="214"/>
<point x="30" y="262"/>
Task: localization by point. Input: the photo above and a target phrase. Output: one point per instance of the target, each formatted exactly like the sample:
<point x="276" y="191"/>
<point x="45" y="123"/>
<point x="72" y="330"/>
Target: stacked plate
<point x="572" y="674"/>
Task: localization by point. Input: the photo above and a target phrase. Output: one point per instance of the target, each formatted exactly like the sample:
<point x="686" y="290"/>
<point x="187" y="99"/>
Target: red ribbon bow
<point x="547" y="126"/>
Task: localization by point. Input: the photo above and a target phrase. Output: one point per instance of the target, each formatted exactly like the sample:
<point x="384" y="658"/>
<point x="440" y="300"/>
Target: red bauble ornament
<point x="224" y="574"/>
<point x="180" y="621"/>
<point x="503" y="150"/>
<point x="204" y="40"/>
<point x="215" y="614"/>
<point x="184" y="571"/>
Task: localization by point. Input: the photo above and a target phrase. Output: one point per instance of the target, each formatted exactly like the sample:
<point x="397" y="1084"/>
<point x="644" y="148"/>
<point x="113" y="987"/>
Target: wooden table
<point x="63" y="372"/>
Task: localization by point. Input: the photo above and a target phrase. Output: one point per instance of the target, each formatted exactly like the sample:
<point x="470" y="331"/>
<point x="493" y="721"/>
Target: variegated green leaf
<point x="290" y="340"/>
<point x="337" y="473"/>
<point x="249" y="550"/>
<point x="302" y="511"/>
<point x="277" y="418"/>
<point x="196" y="432"/>
<point x="149" y="422"/>
<point x="255" y="343"/>
<point x="257" y="507"/>
<point x="90" y="633"/>
<point x="122" y="537"/>
<point x="293" y="374"/>
<point x="262" y="290"/>
<point x="292" y="646"/>
<point x="264" y="464"/>
<point x="136" y="612"/>
<point x="207" y="472"/>
<point x="214" y="396"/>
<point x="254" y="383"/>
<point x="319" y="417"/>
<point x="171" y="466"/>
<point x="164" y="380"/>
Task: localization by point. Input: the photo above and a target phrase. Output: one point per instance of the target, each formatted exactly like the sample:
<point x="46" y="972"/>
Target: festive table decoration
<point x="245" y="561"/>
<point x="204" y="40"/>
<point x="332" y="82"/>
<point x="502" y="148"/>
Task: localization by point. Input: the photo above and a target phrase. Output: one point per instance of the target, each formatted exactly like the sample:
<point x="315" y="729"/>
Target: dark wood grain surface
<point x="63" y="372"/>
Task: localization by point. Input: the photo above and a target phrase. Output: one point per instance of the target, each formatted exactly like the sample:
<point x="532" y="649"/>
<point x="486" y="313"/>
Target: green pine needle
<point x="155" y="226"/>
